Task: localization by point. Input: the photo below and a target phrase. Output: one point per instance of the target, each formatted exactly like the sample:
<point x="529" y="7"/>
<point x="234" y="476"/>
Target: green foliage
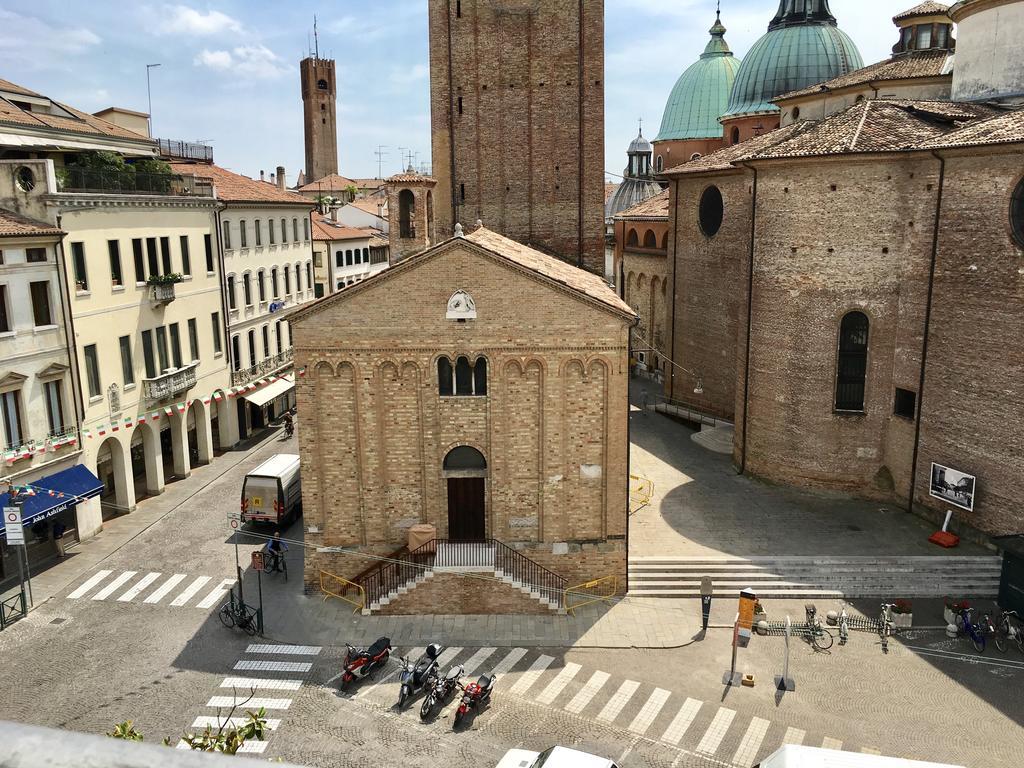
<point x="351" y="190"/>
<point x="224" y="739"/>
<point x="98" y="160"/>
<point x="168" y="279"/>
<point x="126" y="731"/>
<point x="151" y="165"/>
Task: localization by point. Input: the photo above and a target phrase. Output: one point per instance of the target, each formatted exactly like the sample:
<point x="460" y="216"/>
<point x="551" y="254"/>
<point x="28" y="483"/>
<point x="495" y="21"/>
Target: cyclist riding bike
<point x="289" y="424"/>
<point x="276" y="549"/>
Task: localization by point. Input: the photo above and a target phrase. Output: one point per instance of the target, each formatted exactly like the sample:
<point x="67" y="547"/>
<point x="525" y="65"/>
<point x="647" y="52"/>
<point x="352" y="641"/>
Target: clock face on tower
<point x="461" y="307"/>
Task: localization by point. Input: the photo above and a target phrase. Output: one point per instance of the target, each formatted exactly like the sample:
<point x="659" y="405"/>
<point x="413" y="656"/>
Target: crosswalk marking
<point x="713" y="736"/>
<point x="587" y="692"/>
<point x="649" y="711"/>
<point x="190" y="591"/>
<point x="682" y="721"/>
<point x="138" y="588"/>
<point x="260" y="683"/>
<point x="161" y="592"/>
<point x="618" y="700"/>
<point x="509" y="661"/>
<point x="218" y="592"/>
<point x="528" y="678"/>
<point x="273" y="666"/>
<point x="446" y="657"/>
<point x="747" y="751"/>
<point x="296" y="650"/>
<point x="252" y="747"/>
<point x="248" y="703"/>
<point x="88" y="585"/>
<point x="113" y="586"/>
<point x="829" y="743"/>
<point x="555" y="687"/>
<point x="229" y="722"/>
<point x="794" y="736"/>
<point x="477" y="659"/>
<point x="870" y="751"/>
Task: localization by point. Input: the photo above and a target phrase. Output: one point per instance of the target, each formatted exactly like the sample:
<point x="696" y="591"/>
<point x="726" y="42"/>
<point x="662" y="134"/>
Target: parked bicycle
<point x="886" y="627"/>
<point x="238" y="614"/>
<point x="965" y="625"/>
<point x="989" y="629"/>
<point x="820" y="638"/>
<point x="1009" y="626"/>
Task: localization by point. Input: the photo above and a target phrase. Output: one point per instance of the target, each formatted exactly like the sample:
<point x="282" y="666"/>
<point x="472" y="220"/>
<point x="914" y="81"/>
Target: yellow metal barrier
<point x="336" y="586"/>
<point x="641" y="490"/>
<point x="593" y="591"/>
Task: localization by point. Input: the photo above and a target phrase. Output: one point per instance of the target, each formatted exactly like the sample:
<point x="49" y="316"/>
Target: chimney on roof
<point x="272" y="181"/>
<point x="280" y="178"/>
<point x="334" y="213"/>
<point x="261" y="175"/>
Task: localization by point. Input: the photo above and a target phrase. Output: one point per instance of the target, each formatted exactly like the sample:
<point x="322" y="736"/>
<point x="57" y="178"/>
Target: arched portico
<point x="147" y="463"/>
<point x="200" y="439"/>
<point x="112" y="468"/>
<point x="465" y="470"/>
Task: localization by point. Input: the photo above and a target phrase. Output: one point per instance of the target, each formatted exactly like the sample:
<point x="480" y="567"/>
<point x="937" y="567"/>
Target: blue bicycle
<point x="965" y="626"/>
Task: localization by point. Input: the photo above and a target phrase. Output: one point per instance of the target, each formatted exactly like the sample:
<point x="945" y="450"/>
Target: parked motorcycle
<point x="441" y="690"/>
<point x="475" y="695"/>
<point x="416" y="677"/>
<point x="361" y="662"/>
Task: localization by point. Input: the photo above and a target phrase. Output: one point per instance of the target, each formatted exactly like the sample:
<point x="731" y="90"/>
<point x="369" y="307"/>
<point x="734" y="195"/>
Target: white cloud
<point x="409" y="75"/>
<point x="37" y="42"/>
<point x="255" y="61"/>
<point x="180" y="19"/>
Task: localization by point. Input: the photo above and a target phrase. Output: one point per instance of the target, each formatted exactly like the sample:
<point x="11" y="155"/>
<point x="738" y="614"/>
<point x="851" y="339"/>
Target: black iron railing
<point x="396" y="572"/>
<point x="186" y="150"/>
<point x="12" y="609"/>
<point x="128" y="182"/>
<point x="522" y="569"/>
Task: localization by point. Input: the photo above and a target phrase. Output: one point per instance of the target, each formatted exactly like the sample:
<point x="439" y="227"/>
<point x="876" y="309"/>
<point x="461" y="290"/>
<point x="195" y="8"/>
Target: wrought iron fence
<point x="128" y="182"/>
<point x="263" y="367"/>
<point x="187" y="150"/>
<point x="12" y="609"/>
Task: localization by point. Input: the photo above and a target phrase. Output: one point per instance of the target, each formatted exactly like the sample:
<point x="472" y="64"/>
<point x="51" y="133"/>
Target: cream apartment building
<point x="266" y="245"/>
<point x="345" y="255"/>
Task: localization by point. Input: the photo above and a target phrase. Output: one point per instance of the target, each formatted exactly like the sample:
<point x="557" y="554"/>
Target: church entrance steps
<point x="825" y="576"/>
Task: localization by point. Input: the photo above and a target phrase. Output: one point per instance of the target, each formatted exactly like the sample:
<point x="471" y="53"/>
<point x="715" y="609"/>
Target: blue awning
<point x="55" y="493"/>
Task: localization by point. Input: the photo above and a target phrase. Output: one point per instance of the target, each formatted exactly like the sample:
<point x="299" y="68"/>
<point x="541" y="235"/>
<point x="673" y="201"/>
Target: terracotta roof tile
<point x="550" y="267"/>
<point x="905" y="67"/>
<point x="326" y="229"/>
<point x="235" y="188"/>
<point x="1007" y="128"/>
<point x="14" y="224"/>
<point x="927" y="8"/>
<point x="332" y="183"/>
<point x="369" y="204"/>
<point x="400" y="178"/>
<point x="7" y="85"/>
<point x="652" y="207"/>
<point x="723" y="159"/>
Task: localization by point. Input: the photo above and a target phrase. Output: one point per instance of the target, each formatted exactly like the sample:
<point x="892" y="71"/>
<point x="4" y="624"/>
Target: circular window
<point x="25" y="179"/>
<point x="711" y="210"/>
<point x="1017" y="213"/>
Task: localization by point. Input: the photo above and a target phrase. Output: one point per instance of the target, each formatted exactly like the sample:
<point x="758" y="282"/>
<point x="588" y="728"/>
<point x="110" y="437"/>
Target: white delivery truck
<point x="799" y="756"/>
<point x="272" y="493"/>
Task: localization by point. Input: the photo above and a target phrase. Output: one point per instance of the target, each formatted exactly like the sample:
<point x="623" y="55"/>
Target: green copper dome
<point x="701" y="93"/>
<point x="803" y="46"/>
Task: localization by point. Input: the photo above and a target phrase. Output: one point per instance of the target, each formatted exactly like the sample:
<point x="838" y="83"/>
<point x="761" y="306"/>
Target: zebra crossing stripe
<point x="747" y="751"/>
<point x="248" y="702"/>
<point x="229" y="722"/>
<point x="682" y="721"/>
<point x="870" y="751"/>
<point x="138" y="588"/>
<point x="618" y="701"/>
<point x="829" y="743"/>
<point x="190" y="591"/>
<point x="713" y="736"/>
<point x="161" y="592"/>
<point x="555" y="687"/>
<point x="649" y="711"/>
<point x="447" y="656"/>
<point x="587" y="692"/>
<point x="93" y="580"/>
<point x="297" y="650"/>
<point x="113" y="586"/>
<point x="477" y="659"/>
<point x="505" y="665"/>
<point x="528" y="678"/>
<point x="218" y="592"/>
<point x="252" y="747"/>
<point x="260" y="683"/>
<point x="794" y="736"/>
<point x="273" y="666"/>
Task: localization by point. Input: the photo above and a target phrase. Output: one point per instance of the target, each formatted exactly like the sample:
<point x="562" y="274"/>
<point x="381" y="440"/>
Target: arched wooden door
<point x="466" y="472"/>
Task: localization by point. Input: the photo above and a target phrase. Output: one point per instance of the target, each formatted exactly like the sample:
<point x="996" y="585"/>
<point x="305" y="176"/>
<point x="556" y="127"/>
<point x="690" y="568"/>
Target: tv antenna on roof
<point x="381" y="154"/>
<point x="316" y="40"/>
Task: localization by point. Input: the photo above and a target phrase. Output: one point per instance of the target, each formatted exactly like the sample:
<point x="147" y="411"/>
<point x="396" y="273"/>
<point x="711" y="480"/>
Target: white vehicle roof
<point x="799" y="756"/>
<point x="559" y="757"/>
<point x="283" y="466"/>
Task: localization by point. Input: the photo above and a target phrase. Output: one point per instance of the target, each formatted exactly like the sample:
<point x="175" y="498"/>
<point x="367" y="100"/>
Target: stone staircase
<point x="490" y="558"/>
<point x="824" y="576"/>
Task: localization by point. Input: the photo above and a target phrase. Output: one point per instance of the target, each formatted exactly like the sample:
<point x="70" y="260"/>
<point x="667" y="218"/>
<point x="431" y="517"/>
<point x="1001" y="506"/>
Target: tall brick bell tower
<point x="319" y="96"/>
<point x="517" y="111"/>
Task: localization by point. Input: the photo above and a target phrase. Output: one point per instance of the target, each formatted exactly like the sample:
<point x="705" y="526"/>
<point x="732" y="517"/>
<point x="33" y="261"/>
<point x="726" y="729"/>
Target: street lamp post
<point x="149" y="96"/>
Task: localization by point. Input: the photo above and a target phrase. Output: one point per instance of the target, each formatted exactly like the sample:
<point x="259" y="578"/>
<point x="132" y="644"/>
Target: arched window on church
<point x="664" y="242"/>
<point x="464" y="379"/>
<point x="650" y="239"/>
<point x="463" y="376"/>
<point x="852" y="366"/>
<point x="735" y="135"/>
<point x="480" y="376"/>
<point x="632" y="238"/>
<point x="406" y="213"/>
<point x="322" y="84"/>
<point x="445" y="377"/>
<point x="659" y="164"/>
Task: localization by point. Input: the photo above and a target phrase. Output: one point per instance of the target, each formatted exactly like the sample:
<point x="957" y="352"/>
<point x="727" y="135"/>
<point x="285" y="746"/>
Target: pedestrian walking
<point x="58" y="537"/>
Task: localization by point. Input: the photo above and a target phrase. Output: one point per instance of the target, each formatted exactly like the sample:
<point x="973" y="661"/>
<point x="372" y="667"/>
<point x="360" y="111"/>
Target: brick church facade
<point x="454" y="389"/>
<point x="517" y="118"/>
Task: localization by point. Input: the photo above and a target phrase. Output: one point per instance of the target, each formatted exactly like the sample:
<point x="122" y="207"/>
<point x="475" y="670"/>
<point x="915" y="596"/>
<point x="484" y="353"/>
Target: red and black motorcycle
<point x="362" y="662"/>
<point x="475" y="695"/>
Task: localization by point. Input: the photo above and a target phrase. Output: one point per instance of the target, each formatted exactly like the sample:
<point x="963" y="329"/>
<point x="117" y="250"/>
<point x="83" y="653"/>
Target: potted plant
<point x="902" y="614"/>
<point x="168" y="279"/>
<point x="952" y="608"/>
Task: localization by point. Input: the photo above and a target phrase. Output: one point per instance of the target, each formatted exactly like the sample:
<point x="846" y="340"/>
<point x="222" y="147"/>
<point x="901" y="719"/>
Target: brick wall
<point x="527" y="148"/>
<point x="319" y="118"/>
<point x="463" y="594"/>
<point x="374" y="431"/>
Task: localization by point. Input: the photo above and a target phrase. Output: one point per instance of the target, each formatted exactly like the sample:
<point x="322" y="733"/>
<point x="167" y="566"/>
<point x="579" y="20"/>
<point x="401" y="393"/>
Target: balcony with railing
<point x="264" y="367"/>
<point x="23" y="453"/>
<point x="185" y="150"/>
<point x="170" y="382"/>
<point x="128" y="182"/>
<point x="162" y="293"/>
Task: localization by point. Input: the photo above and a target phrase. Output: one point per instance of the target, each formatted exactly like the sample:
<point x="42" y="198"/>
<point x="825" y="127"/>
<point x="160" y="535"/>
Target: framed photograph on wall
<point x="953" y="486"/>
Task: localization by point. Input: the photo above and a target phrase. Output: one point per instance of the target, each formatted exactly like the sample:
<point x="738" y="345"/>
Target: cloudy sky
<point x="229" y="70"/>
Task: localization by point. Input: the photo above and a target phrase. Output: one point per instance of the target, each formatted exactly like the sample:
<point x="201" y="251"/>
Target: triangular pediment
<point x="52" y="371"/>
<point x="11" y="380"/>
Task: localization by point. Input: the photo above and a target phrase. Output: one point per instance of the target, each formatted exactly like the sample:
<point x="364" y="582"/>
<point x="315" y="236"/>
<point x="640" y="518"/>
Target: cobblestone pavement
<point x="109" y="653"/>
